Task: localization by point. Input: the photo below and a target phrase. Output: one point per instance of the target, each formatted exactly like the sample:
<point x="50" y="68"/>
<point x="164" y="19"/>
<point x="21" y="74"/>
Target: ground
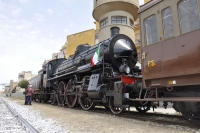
<point x="76" y="121"/>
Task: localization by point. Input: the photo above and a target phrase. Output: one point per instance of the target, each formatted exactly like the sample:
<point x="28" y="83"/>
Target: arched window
<point x="188" y="15"/>
<point x="151" y="30"/>
<point x="168" y="24"/>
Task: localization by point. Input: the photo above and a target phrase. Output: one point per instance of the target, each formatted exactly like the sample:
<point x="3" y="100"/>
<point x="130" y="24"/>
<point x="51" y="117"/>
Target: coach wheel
<point x="61" y="88"/>
<point x="185" y="109"/>
<point x="143" y="108"/>
<point x="53" y="98"/>
<point x="114" y="109"/>
<point x="70" y="98"/>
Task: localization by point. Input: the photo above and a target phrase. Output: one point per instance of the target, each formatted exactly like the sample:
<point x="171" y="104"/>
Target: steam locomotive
<point x="96" y="75"/>
<point x="170" y="68"/>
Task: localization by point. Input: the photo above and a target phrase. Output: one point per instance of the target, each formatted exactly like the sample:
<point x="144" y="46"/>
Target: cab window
<point x="49" y="66"/>
<point x="188" y="15"/>
<point x="151" y="33"/>
<point x="168" y="25"/>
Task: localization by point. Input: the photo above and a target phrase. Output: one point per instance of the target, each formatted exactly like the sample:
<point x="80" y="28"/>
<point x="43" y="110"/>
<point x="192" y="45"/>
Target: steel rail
<point x="27" y="125"/>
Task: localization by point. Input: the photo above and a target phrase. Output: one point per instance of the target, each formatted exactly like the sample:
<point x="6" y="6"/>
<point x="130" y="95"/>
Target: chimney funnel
<point x="114" y="30"/>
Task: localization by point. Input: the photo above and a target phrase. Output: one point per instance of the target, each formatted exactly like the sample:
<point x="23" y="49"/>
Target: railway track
<point x="12" y="122"/>
<point x="161" y="119"/>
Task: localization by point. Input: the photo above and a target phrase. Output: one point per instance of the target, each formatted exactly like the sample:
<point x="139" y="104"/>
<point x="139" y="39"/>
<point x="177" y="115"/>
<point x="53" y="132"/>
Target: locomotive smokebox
<point x="114" y="31"/>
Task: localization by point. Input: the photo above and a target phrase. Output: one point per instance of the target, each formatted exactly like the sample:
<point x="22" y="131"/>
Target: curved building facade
<point x="121" y="13"/>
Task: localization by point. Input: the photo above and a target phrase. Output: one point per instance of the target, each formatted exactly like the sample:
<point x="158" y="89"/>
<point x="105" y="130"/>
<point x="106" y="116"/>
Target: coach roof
<point x="148" y="5"/>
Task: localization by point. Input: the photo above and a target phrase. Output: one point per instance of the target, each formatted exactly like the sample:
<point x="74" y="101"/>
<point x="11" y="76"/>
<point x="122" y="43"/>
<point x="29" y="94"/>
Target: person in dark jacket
<point x="29" y="93"/>
<point x="25" y="102"/>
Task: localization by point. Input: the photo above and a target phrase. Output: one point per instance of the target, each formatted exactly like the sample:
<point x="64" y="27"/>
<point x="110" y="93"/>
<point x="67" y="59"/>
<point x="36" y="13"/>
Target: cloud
<point x="24" y="25"/>
<point x="65" y="11"/>
<point x="50" y="10"/>
<point x="65" y="30"/>
<point x="23" y="1"/>
<point x="2" y="6"/>
<point x="67" y="1"/>
<point x="40" y="17"/>
<point x="3" y="16"/>
<point x="16" y="12"/>
<point x="71" y="24"/>
<point x="34" y="32"/>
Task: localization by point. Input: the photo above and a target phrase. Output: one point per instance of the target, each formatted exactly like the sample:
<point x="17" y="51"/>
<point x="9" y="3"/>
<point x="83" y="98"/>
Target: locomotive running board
<point x="175" y="99"/>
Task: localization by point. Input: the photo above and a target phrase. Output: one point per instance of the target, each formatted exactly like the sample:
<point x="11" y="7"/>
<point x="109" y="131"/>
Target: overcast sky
<point x="31" y="30"/>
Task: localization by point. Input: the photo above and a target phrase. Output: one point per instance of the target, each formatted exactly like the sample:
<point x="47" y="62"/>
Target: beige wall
<point x="25" y="75"/>
<point x="107" y="8"/>
<point x="102" y="7"/>
<point x="100" y="2"/>
<point x="145" y="1"/>
<point x="104" y="32"/>
<point x="7" y="88"/>
<point x="12" y="85"/>
<point x="85" y="37"/>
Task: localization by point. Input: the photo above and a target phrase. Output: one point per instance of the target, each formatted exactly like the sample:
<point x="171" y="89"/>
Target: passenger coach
<point x="170" y="34"/>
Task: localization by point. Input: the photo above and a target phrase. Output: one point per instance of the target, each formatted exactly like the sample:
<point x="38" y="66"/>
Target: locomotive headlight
<point x="127" y="69"/>
<point x="124" y="67"/>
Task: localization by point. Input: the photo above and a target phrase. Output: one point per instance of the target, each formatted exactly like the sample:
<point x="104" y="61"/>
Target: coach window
<point x="168" y="23"/>
<point x="151" y="32"/>
<point x="188" y="15"/>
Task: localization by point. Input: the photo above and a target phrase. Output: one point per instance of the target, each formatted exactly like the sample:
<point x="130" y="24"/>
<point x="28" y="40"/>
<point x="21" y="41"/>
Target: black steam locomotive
<point x="99" y="75"/>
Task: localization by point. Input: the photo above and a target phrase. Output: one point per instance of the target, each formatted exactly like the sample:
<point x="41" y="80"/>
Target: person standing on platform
<point x="29" y="94"/>
<point x="25" y="102"/>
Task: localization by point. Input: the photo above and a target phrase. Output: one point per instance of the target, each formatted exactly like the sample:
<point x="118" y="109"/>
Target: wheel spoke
<point x="115" y="110"/>
<point x="85" y="102"/>
<point x="61" y="88"/>
<point x="71" y="100"/>
<point x="53" y="98"/>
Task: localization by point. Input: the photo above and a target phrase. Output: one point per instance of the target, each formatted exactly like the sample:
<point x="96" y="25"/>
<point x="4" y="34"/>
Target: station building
<point x="121" y="13"/>
<point x="107" y="13"/>
<point x="84" y="37"/>
<point x="25" y="75"/>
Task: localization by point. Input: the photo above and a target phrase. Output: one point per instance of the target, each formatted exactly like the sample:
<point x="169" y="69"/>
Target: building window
<point x="151" y="33"/>
<point x="21" y="76"/>
<point x="188" y="15"/>
<point x="168" y="24"/>
<point x="104" y="23"/>
<point x="131" y="23"/>
<point x="119" y="20"/>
